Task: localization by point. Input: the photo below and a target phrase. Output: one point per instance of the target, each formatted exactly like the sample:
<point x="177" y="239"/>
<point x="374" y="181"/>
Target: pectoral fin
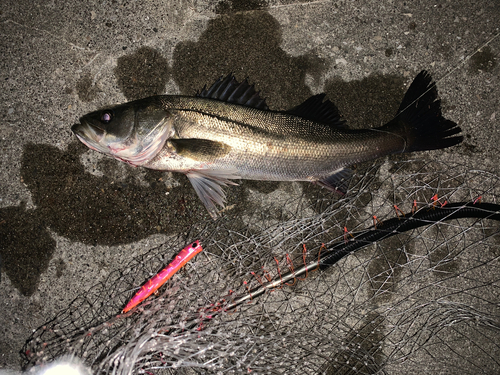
<point x="208" y="185"/>
<point x="200" y="149"/>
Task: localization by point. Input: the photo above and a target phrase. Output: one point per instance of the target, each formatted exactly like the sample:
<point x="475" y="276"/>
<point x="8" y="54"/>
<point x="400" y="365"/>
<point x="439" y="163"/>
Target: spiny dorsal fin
<point x="231" y="91"/>
<point x="315" y="109"/>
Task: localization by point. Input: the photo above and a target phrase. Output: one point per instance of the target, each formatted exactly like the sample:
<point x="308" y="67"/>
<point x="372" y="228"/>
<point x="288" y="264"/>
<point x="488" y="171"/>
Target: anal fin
<point x="208" y="184"/>
<point x="338" y="181"/>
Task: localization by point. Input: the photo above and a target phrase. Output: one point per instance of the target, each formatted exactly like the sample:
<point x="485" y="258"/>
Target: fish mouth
<point x="87" y="130"/>
<point x="89" y="135"/>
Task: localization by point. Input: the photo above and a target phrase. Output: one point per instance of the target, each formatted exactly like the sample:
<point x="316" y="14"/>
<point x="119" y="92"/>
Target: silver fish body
<point x="228" y="133"/>
<point x="265" y="145"/>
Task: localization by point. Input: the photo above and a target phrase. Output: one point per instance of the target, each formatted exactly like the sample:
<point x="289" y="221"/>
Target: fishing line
<point x="458" y="66"/>
<point x="90" y="327"/>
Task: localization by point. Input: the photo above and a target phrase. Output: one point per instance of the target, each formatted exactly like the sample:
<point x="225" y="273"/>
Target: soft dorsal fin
<point x="231" y="91"/>
<point x="315" y="109"/>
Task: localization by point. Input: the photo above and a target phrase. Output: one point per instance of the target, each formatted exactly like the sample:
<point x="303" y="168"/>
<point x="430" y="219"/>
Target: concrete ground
<point x="68" y="217"/>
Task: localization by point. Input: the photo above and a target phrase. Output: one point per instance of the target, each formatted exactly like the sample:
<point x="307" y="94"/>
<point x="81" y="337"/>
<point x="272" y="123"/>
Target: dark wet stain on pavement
<point x="87" y="89"/>
<point x="110" y="210"/>
<point x="142" y="74"/>
<point x="484" y="60"/>
<point x="26" y="246"/>
<point x="385" y="268"/>
<point x="247" y="44"/>
<point x="227" y="6"/>
<point x="363" y="353"/>
<point x="369" y="102"/>
<point x="82" y="207"/>
<point x="103" y="210"/>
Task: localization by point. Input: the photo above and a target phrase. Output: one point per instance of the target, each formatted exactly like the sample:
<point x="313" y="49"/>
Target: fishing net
<point x="423" y="300"/>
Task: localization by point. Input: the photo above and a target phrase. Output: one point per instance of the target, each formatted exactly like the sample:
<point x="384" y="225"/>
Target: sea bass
<point x="227" y="132"/>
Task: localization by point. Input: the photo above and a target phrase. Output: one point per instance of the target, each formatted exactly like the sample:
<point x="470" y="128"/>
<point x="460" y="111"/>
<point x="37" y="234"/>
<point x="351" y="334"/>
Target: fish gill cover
<point x="426" y="298"/>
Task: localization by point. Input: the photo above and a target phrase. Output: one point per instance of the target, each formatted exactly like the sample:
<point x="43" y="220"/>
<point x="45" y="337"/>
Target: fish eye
<point x="106" y="117"/>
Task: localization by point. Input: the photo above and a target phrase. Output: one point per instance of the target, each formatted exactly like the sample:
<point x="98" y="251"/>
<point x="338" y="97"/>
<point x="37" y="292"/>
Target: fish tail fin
<point x="420" y="121"/>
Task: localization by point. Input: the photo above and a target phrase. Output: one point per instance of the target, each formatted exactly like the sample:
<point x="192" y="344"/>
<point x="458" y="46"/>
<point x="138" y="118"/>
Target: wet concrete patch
<point x="86" y="88"/>
<point x="228" y="6"/>
<point x="83" y="207"/>
<point x="142" y="74"/>
<point x="493" y="234"/>
<point x="484" y="60"/>
<point x="257" y="37"/>
<point x="444" y="259"/>
<point x="102" y="210"/>
<point x="385" y="268"/>
<point x="364" y="352"/>
<point x="26" y="247"/>
<point x="369" y="102"/>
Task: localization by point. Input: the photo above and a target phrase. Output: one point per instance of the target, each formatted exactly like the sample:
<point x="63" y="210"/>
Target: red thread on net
<point x="436" y="200"/>
<point x="258" y="278"/>
<point x="398" y="210"/>
<point x="248" y="290"/>
<point x="346" y="232"/>
<point x="414" y="207"/>
<point x="279" y="272"/>
<point x="267" y="275"/>
<point x="290" y="267"/>
<point x="304" y="254"/>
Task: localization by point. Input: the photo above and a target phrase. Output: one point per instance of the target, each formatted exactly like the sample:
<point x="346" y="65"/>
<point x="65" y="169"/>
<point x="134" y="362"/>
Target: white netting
<point x="424" y="300"/>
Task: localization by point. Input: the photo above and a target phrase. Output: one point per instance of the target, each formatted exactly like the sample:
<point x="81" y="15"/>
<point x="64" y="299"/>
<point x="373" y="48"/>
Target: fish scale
<point x="261" y="150"/>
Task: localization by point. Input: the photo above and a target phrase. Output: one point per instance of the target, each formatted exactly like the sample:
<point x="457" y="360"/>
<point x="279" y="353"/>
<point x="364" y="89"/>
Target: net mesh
<point x="427" y="299"/>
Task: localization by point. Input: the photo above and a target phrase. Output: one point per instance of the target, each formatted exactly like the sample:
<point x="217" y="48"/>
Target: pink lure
<point x="161" y="277"/>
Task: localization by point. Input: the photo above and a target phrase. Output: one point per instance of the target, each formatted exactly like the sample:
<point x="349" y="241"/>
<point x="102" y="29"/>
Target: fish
<point x="227" y="132"/>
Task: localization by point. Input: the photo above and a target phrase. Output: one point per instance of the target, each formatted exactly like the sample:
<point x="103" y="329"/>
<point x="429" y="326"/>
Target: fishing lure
<point x="161" y="277"/>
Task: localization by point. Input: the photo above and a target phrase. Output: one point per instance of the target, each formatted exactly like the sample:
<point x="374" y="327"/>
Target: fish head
<point x="132" y="132"/>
